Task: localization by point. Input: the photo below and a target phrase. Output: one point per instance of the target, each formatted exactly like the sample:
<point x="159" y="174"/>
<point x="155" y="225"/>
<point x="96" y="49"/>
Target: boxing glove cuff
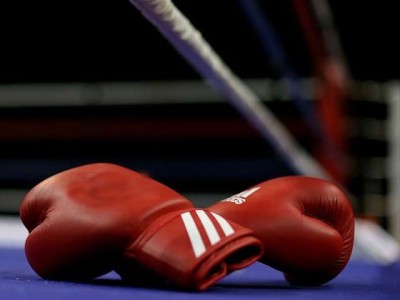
<point x="195" y="248"/>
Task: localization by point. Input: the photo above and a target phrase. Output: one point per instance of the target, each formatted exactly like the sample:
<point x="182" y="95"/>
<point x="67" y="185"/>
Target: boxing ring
<point x="361" y="279"/>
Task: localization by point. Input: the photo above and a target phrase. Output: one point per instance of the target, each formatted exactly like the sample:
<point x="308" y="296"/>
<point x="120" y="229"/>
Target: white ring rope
<point x="189" y="42"/>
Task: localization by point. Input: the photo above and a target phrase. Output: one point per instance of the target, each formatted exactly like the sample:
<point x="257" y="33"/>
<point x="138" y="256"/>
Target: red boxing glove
<point x="84" y="221"/>
<point x="306" y="225"/>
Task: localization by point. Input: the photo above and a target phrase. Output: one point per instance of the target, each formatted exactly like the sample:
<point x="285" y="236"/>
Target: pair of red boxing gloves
<point x="93" y="219"/>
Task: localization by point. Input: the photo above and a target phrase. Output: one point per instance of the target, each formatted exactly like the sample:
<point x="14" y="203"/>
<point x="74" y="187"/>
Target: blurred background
<point x="89" y="81"/>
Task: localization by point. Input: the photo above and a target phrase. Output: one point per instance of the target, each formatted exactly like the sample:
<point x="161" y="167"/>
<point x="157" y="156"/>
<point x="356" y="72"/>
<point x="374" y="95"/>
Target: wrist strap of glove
<point x="195" y="248"/>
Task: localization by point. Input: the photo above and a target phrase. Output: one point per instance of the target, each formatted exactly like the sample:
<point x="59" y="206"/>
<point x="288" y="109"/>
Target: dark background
<point x="53" y="41"/>
<point x="193" y="147"/>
